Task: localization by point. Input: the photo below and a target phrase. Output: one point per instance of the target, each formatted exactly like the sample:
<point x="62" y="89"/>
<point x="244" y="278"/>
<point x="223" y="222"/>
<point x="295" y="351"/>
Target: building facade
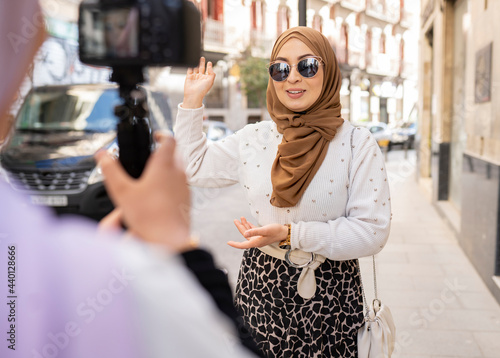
<point x="374" y="41"/>
<point x="459" y="149"/>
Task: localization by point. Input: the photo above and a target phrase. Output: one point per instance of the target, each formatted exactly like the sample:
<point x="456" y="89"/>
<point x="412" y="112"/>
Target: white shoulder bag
<point x="377" y="336"/>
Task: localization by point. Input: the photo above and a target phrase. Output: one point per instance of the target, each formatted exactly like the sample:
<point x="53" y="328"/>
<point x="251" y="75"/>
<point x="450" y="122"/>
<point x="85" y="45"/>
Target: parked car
<point x="380" y="132"/>
<point x="50" y="154"/>
<point x="215" y="130"/>
<point x="404" y="135"/>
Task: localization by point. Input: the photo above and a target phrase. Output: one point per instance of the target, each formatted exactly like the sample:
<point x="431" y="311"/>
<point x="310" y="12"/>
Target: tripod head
<point x="134" y="133"/>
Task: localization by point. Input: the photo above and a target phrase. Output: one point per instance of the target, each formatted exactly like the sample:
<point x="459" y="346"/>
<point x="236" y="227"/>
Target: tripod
<point x="134" y="133"/>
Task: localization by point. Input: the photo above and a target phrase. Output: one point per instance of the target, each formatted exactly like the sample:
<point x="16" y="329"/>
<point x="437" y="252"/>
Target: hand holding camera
<point x="159" y="216"/>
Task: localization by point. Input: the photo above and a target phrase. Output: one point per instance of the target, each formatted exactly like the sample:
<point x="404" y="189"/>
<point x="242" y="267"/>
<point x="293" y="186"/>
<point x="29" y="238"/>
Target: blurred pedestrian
<point x="317" y="189"/>
<point x="67" y="291"/>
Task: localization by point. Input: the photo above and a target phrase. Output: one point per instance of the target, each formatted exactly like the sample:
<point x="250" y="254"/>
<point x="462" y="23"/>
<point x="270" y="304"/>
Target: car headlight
<point x="96" y="176"/>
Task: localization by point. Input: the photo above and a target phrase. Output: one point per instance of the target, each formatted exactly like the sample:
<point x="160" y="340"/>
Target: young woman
<point x="318" y="191"/>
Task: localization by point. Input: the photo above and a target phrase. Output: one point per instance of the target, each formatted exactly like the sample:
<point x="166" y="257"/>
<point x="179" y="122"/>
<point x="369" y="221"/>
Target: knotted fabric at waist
<point x="306" y="286"/>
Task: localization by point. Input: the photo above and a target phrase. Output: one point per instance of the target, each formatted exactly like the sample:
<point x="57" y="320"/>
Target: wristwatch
<point x="286" y="244"/>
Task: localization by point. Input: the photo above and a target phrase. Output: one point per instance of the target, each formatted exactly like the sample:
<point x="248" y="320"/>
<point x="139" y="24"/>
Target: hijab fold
<point x="306" y="135"/>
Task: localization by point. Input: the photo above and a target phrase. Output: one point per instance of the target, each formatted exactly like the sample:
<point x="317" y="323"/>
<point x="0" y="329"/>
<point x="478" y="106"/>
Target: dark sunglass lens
<point x="308" y="67"/>
<point x="279" y="71"/>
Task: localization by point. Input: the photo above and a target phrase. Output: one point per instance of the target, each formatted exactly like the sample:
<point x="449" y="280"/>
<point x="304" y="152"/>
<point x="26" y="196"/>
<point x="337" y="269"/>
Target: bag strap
<point x="373" y="257"/>
<point x="365" y="302"/>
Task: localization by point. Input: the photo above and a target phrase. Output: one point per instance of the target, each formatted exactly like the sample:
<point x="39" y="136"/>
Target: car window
<point x="102" y="117"/>
<point x="82" y="109"/>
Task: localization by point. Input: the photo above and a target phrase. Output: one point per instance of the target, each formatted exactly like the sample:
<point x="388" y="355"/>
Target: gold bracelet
<point x="286" y="244"/>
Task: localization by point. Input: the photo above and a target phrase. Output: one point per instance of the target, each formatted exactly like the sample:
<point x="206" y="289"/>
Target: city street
<point x="89" y="76"/>
<point x="440" y="305"/>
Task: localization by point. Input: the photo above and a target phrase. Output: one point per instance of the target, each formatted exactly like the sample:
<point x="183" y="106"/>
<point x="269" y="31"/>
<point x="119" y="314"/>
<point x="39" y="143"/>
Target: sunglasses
<point x="308" y="68"/>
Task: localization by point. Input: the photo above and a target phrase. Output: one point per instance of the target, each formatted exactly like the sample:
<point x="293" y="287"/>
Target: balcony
<point x="407" y="18"/>
<point x="214" y="33"/>
<point x="261" y="43"/>
<point x="382" y="64"/>
<point x="218" y="37"/>
<point x="383" y="11"/>
<point x="354" y="5"/>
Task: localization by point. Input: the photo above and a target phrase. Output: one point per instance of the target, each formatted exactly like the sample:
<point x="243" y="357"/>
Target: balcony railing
<point x="407" y="18"/>
<point x="375" y="9"/>
<point x="355" y="5"/>
<point x="388" y="13"/>
<point x="382" y="64"/>
<point x="214" y="33"/>
<point x="220" y="38"/>
<point x="393" y="13"/>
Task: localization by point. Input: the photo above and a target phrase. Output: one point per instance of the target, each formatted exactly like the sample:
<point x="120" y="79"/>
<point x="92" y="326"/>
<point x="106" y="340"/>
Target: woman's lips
<point x="295" y="93"/>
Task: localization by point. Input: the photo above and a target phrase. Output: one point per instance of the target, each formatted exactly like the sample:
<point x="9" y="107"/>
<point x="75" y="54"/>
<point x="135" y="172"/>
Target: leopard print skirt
<point x="284" y="324"/>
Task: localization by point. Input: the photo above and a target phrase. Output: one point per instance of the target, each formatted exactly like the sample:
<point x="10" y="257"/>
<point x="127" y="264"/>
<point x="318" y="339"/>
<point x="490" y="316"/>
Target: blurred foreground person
<point x="66" y="292"/>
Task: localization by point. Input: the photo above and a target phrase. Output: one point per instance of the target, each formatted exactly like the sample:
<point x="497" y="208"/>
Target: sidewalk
<point x="440" y="304"/>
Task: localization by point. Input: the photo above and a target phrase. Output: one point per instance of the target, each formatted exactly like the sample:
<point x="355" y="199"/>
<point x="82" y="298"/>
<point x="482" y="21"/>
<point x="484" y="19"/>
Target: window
<point x="332" y="12"/>
<point x="257" y="14"/>
<point x="344" y="44"/>
<point x="382" y="43"/>
<point x="213" y="9"/>
<point x="317" y="23"/>
<point x="283" y="21"/>
<point x="368" y="47"/>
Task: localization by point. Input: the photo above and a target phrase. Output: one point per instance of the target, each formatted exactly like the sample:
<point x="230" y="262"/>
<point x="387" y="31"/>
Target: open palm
<point x="198" y="82"/>
<point x="258" y="236"/>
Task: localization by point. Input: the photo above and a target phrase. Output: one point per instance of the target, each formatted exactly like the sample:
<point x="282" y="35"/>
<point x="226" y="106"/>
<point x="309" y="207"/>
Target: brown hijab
<point x="306" y="135"/>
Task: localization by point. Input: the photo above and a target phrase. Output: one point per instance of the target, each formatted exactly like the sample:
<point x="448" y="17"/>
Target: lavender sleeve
<point x="73" y="294"/>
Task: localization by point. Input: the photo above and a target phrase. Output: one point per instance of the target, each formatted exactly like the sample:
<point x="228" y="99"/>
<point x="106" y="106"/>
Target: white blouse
<point x="345" y="212"/>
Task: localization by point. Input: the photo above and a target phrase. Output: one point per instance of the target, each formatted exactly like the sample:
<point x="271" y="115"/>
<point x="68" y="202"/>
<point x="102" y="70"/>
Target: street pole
<point x="302" y="12"/>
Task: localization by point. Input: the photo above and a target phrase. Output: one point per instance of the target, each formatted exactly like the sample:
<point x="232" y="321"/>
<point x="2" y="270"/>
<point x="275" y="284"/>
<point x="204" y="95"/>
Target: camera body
<point x="139" y="33"/>
<point x="128" y="35"/>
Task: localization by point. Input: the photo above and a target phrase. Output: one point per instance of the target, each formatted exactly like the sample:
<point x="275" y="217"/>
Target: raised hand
<point x="258" y="236"/>
<point x="198" y="82"/>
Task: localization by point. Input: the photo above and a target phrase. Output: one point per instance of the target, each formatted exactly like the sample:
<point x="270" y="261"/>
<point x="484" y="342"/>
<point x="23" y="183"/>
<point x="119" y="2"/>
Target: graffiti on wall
<point x="57" y="62"/>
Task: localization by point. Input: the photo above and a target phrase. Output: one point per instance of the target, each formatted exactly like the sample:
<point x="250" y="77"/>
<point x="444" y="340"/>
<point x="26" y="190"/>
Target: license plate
<point x="49" y="200"/>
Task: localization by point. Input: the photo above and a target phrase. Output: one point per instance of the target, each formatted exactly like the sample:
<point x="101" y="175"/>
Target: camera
<point x="128" y="35"/>
<point x="139" y="33"/>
